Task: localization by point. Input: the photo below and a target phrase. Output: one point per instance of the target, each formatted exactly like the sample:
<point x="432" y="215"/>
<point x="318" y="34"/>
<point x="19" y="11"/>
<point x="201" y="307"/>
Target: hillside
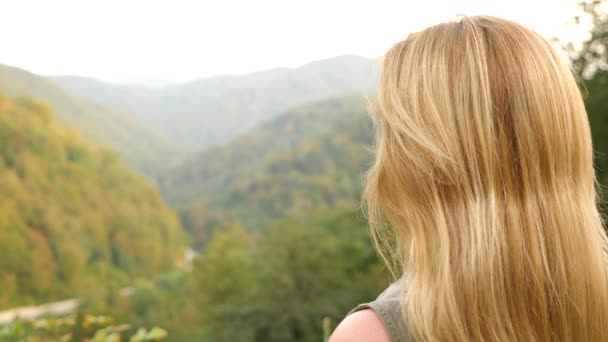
<point x="74" y="219"/>
<point x="215" y="110"/>
<point x="310" y="158"/>
<point x="144" y="148"/>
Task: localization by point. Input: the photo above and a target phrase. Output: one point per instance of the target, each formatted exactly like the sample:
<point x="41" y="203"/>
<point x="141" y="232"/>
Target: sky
<point x="178" y="40"/>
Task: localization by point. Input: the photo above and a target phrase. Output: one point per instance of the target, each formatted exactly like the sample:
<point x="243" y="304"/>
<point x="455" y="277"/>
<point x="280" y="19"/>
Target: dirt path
<point x="32" y="312"/>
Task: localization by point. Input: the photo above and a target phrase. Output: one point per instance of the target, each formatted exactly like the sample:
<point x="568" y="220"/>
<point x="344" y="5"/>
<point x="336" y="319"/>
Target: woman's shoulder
<point x="380" y="320"/>
<point x="364" y="325"/>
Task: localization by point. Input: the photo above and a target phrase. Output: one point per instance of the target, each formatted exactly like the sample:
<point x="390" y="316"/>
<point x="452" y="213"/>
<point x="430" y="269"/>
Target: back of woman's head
<point x="482" y="194"/>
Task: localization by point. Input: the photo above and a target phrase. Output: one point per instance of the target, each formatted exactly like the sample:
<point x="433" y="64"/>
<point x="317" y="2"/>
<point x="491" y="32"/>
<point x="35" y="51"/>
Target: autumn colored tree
<point x="74" y="219"/>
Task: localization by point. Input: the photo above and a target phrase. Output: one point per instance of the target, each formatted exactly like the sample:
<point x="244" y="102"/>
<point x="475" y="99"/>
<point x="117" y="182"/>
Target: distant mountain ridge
<point x="143" y="147"/>
<point x="214" y="110"/>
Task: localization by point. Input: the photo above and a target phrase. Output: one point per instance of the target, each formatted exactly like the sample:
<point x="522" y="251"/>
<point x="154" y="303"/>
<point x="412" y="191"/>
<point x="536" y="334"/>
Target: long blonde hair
<point x="482" y="195"/>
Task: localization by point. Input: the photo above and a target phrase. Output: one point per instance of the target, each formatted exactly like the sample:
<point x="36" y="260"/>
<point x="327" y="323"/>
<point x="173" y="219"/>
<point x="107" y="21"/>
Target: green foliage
<point x="596" y="103"/>
<point x="76" y="328"/>
<point x="155" y="334"/>
<point x="167" y="300"/>
<point x="74" y="220"/>
<point x="226" y="284"/>
<point x="214" y="110"/>
<point x="142" y="147"/>
<point x="278" y="285"/>
<point x="291" y="282"/>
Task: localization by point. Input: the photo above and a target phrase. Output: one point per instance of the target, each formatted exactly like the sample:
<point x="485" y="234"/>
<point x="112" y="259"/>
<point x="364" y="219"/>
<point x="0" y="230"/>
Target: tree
<point x="591" y="61"/>
<point x="226" y="285"/>
<point x="592" y="56"/>
<point x="281" y="283"/>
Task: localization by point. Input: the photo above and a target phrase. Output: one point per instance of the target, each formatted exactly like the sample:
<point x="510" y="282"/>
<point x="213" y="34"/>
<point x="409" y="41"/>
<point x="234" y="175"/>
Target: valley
<point x="283" y="173"/>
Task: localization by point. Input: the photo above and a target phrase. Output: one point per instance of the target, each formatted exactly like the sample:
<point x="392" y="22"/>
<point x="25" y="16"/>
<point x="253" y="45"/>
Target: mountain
<point x="215" y="110"/>
<point x="143" y="147"/>
<point x="310" y="158"/>
<point x="74" y="219"/>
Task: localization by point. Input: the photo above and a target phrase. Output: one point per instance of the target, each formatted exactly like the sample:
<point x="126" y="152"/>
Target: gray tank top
<point x="387" y="306"/>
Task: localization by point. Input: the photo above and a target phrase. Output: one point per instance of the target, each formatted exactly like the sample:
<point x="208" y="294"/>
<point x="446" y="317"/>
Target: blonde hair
<point x="482" y="195"/>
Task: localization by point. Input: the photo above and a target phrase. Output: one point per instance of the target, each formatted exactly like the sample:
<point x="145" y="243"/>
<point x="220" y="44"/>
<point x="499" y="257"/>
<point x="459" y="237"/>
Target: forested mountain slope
<point x="310" y="158"/>
<point x="143" y="147"/>
<point x="215" y="110"/>
<point x="74" y="219"/>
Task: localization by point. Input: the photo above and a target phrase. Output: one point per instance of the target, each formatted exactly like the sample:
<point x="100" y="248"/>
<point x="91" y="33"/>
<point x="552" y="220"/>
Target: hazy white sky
<point x="124" y="40"/>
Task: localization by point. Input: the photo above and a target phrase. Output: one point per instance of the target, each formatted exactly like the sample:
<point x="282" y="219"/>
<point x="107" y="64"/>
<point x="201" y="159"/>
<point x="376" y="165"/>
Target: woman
<point x="482" y="197"/>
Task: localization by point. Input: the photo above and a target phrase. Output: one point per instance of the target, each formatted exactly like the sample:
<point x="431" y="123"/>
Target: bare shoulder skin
<point x="361" y="326"/>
